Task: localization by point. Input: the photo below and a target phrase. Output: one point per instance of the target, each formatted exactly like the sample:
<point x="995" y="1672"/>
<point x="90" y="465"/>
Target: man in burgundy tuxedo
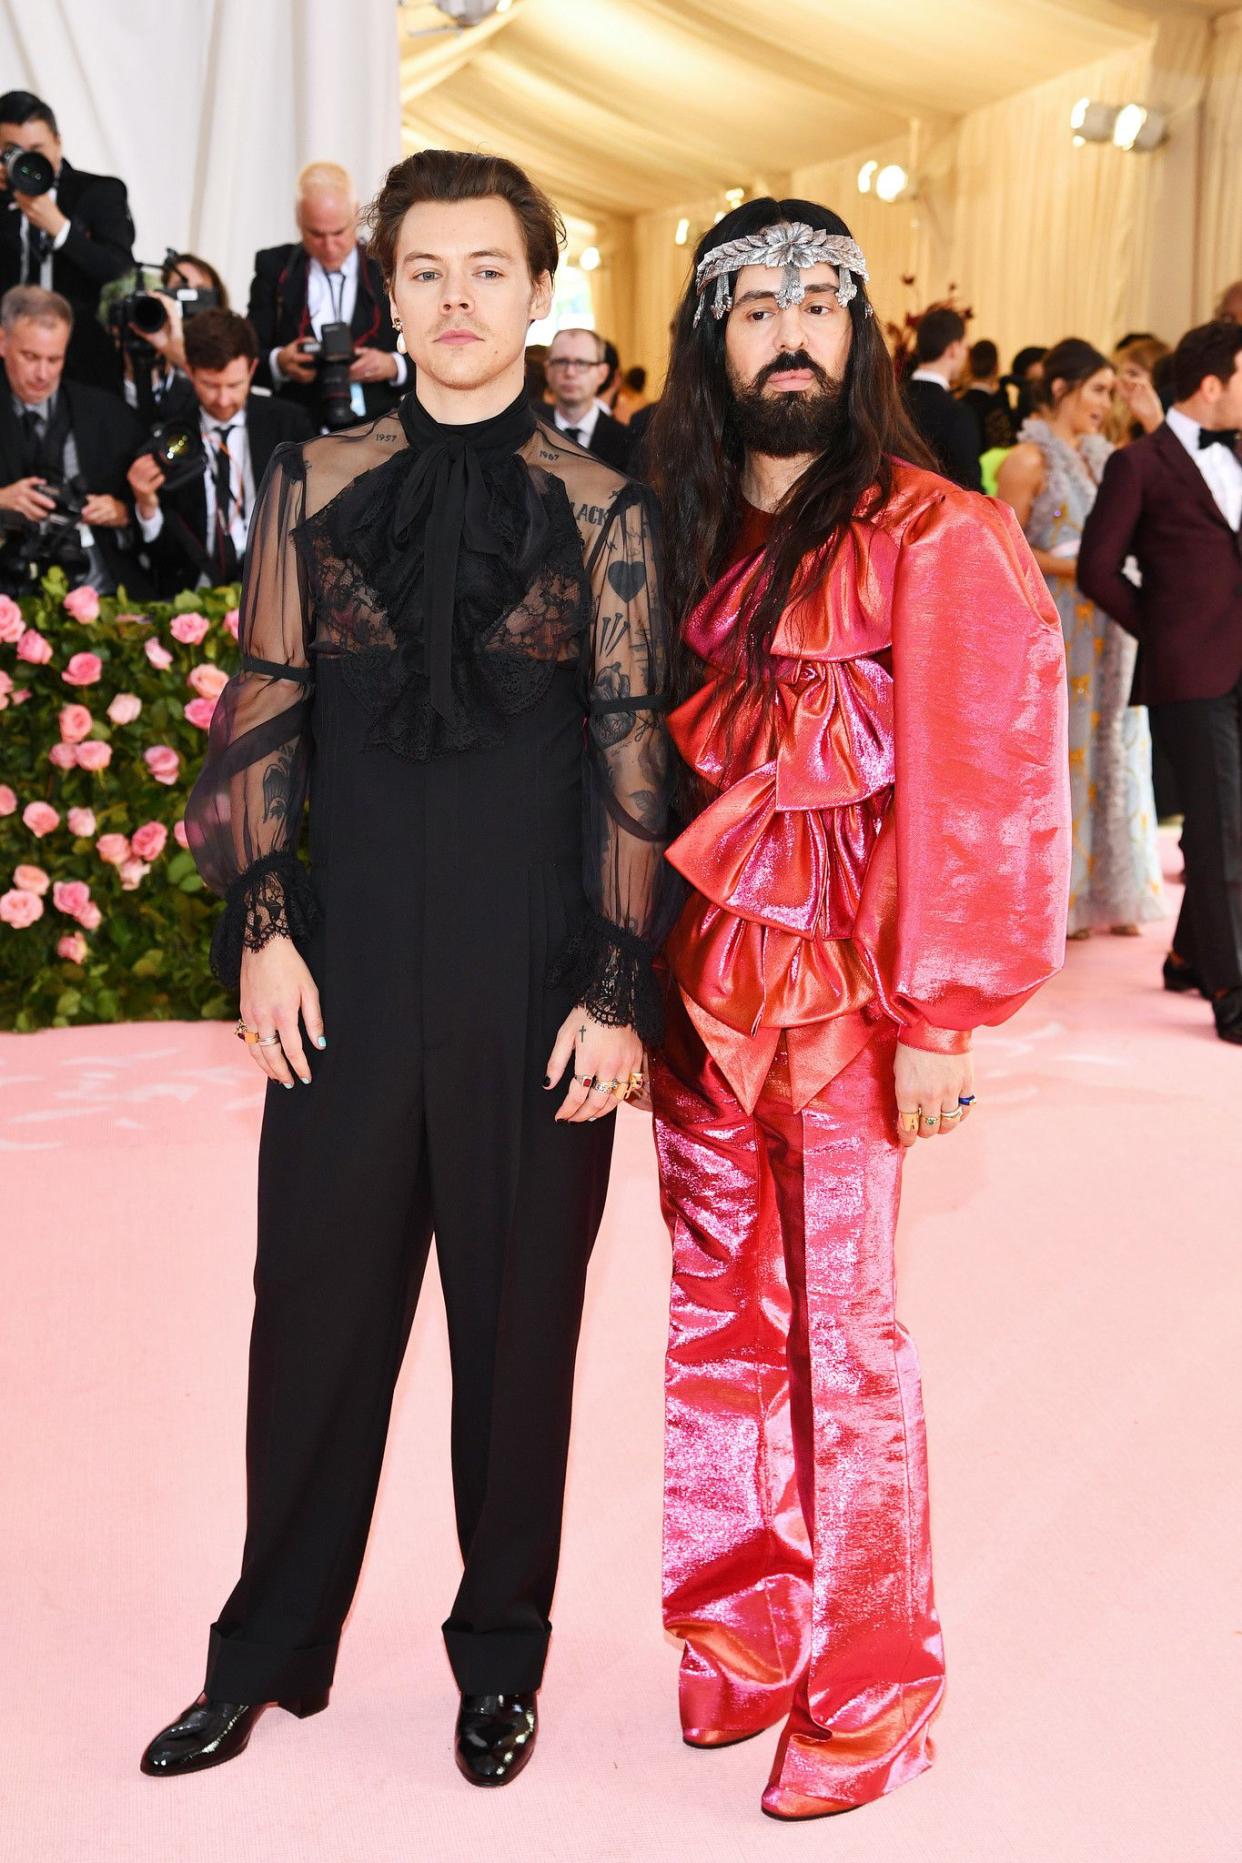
<point x="1173" y="501"/>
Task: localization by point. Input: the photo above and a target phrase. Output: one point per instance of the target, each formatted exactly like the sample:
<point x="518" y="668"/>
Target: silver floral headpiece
<point x="791" y="245"/>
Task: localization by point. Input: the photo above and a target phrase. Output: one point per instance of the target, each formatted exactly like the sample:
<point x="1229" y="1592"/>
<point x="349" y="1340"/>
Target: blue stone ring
<point x="965" y="1099"/>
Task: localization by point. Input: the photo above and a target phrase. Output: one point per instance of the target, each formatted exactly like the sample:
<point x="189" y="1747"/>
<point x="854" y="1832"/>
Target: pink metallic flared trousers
<point x="797" y="1560"/>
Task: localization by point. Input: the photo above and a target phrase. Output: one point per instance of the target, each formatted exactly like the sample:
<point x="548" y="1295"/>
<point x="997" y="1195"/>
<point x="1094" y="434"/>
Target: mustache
<point x="785" y="363"/>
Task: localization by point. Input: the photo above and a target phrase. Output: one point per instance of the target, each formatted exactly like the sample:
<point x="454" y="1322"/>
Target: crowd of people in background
<point x="143" y="410"/>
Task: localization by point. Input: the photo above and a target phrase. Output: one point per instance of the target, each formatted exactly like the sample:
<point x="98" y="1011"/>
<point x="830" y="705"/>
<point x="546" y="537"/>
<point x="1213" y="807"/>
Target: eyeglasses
<point x="572" y="362"/>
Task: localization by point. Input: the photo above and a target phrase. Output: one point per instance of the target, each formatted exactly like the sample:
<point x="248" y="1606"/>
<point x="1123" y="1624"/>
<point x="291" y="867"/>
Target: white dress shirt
<point x="53" y="245"/>
<point x="332" y="297"/>
<point x="241" y="485"/>
<point x="1218" y="464"/>
<point x="584" y="428"/>
<point x="926" y="373"/>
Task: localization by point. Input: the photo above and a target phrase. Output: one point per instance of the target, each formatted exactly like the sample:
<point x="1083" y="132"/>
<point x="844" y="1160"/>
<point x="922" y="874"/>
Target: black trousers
<point x="1202" y="739"/>
<point x="447" y="887"/>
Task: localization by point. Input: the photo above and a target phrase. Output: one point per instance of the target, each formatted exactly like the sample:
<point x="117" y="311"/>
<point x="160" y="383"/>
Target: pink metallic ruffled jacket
<point x="891" y="835"/>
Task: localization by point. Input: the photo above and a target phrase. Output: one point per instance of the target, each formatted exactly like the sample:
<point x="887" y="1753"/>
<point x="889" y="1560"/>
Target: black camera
<point x="26" y="171"/>
<point x="142" y="313"/>
<point x="54" y="539"/>
<point x="177" y="448"/>
<point x="333" y="354"/>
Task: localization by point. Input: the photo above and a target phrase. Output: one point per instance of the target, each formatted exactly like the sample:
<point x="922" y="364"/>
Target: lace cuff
<point x="273" y="898"/>
<point x="611" y="975"/>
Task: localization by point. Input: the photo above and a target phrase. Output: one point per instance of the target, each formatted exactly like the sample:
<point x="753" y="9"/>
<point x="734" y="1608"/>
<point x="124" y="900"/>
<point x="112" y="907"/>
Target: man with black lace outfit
<point x="452" y="640"/>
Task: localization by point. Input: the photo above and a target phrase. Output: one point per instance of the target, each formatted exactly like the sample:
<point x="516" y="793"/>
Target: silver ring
<point x="268" y="1041"/>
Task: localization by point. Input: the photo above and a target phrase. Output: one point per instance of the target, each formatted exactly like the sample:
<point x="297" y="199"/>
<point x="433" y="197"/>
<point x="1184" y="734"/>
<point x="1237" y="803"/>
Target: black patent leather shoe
<point x="495" y="1737"/>
<point x="1227" y="1009"/>
<point x="1181" y="977"/>
<point x="211" y="1732"/>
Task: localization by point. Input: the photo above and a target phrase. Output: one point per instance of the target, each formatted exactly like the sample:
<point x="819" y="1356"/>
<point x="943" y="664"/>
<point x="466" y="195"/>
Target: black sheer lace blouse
<point x="356" y="542"/>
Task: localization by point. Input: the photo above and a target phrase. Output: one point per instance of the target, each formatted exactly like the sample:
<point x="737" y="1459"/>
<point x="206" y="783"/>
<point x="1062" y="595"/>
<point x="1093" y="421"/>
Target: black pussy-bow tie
<point x="445" y="491"/>
<point x="1218" y="436"/>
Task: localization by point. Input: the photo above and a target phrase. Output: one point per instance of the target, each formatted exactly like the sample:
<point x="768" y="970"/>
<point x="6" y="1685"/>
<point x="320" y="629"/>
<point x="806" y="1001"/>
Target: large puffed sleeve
<point x="627" y="777"/>
<point x="244" y="816"/>
<point x="979" y="851"/>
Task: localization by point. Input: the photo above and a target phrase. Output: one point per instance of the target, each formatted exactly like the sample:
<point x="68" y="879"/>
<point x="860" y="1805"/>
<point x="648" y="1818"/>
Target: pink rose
<point x="90" y="918"/>
<point x="12" y="627"/>
<point x="20" y="909"/>
<point x="189" y="628"/>
<point x="179" y="834"/>
<point x="64" y="756"/>
<point x="21" y="695"/>
<point x="40" y="818"/>
<point x="159" y="656"/>
<point x="33" y="648"/>
<point x="113" y="848"/>
<point x="124" y="708"/>
<point x="198" y="712"/>
<point x="94" y="754"/>
<point x="81" y="821"/>
<point x="163" y="762"/>
<point x="6" y="684"/>
<point x="71" y="897"/>
<point x="82" y="604"/>
<point x="83" y="670"/>
<point x="207" y="680"/>
<point x="8" y="801"/>
<point x="133" y="872"/>
<point x="232" y="621"/>
<point x="148" y="841"/>
<point x="31" y="880"/>
<point x="74" y="947"/>
<point x="75" y="723"/>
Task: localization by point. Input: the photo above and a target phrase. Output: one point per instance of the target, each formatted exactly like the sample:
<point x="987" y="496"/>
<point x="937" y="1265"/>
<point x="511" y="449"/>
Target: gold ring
<point x="909" y="1121"/>
<point x="931" y="1119"/>
<point x="603" y="1086"/>
<point x="950" y="1118"/>
<point x="244" y="1033"/>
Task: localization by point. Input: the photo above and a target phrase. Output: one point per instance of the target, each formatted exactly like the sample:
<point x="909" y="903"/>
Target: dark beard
<point x="786" y="425"/>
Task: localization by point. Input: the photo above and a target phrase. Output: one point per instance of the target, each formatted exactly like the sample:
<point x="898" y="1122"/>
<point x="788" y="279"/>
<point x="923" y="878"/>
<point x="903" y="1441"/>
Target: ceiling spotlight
<point x="866" y="176"/>
<point x="682" y="235"/>
<point x="1092" y="122"/>
<point x="735" y="196"/>
<point x="589" y="260"/>
<point x="1138" y="128"/>
<point x="891" y="182"/>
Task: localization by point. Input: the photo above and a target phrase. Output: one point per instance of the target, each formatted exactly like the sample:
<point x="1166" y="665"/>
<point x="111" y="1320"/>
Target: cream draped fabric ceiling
<point x="637" y="113"/>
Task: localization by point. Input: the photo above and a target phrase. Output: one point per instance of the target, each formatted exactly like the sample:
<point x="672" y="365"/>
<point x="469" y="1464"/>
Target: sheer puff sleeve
<point x="244" y="816"/>
<point x="627" y="780"/>
<point x="979" y="856"/>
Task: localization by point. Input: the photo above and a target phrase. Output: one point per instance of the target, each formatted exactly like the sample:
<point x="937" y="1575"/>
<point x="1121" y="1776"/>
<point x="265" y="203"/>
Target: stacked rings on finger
<point x="951" y="1118"/>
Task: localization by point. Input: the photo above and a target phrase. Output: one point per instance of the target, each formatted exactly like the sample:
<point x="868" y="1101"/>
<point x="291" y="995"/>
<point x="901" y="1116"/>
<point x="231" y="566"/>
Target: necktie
<point x="1218" y="436"/>
<point x="32" y="429"/>
<point x="226" y="553"/>
<point x="36" y="247"/>
<point x="337" y="294"/>
<point x="575" y="434"/>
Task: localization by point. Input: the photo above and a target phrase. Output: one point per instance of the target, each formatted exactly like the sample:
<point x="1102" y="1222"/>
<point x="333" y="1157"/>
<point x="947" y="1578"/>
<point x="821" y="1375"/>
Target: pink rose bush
<point x="84" y="669"/>
<point x="82" y="604"/>
<point x="20" y="909"/>
<point x="103" y="913"/>
<point x="125" y="708"/>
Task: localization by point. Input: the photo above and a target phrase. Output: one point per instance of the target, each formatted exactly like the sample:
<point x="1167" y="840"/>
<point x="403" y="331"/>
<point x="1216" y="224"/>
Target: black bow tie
<point x="1219" y="436"/>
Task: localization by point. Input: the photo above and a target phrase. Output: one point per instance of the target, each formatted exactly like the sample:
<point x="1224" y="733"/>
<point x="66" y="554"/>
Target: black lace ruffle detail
<point x="519" y="607"/>
<point x="273" y="898"/>
<point x="610" y="972"/>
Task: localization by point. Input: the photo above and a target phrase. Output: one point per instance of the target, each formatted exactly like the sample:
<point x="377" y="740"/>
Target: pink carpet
<point x="1071" y="1269"/>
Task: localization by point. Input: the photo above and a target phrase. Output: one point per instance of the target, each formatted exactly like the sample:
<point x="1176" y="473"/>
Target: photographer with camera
<point x="320" y="311"/>
<point x="64" y="449"/>
<point x="194" y="489"/>
<point x="153" y="341"/>
<point x="62" y="229"/>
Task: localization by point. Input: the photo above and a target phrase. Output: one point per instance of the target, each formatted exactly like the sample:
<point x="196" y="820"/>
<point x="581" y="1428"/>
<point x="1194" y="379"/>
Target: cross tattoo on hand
<point x="582" y="1032"/>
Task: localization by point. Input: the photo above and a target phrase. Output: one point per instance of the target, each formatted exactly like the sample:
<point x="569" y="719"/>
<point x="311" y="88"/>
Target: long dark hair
<point x="697" y="456"/>
<point x="1071" y="362"/>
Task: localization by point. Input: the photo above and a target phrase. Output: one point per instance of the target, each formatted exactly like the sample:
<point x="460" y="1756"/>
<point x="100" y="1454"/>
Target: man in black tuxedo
<point x="948" y="428"/>
<point x="196" y="534"/>
<point x="74" y="239"/>
<point x="1172" y="499"/>
<point x="326" y="276"/>
<point x="52" y="429"/>
<point x="577" y="369"/>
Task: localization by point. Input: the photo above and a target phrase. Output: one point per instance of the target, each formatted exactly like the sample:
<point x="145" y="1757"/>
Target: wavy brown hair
<point x="697" y="457"/>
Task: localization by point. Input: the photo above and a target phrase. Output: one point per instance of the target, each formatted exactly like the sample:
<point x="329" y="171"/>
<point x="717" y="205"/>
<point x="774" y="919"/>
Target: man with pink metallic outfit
<point x="872" y="720"/>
